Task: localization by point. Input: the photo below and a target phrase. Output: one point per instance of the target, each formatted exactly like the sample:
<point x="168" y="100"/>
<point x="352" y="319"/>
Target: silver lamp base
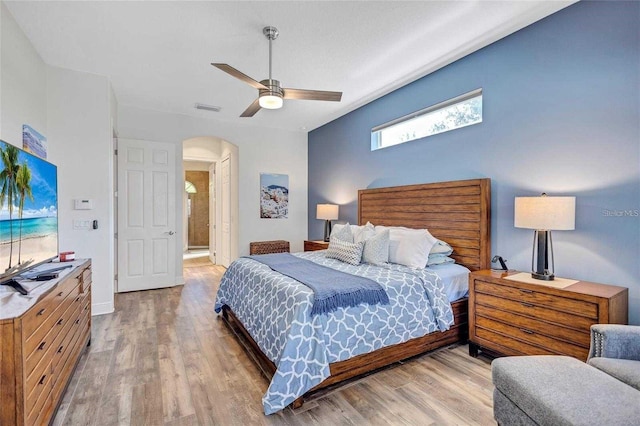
<point x="543" y="247"/>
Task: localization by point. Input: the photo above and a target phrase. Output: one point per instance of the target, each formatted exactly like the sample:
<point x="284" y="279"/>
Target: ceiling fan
<point x="270" y="94"/>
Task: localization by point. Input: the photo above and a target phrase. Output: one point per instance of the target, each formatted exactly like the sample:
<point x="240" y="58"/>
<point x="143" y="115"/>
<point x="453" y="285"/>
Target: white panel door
<point x="225" y="200"/>
<point x="146" y="215"/>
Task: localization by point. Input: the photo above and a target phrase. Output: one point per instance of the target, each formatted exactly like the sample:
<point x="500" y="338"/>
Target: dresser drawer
<point x="506" y="345"/>
<point x="39" y="342"/>
<point x="33" y="318"/>
<point x="567" y="319"/>
<point x="38" y="395"/>
<point x="64" y="340"/>
<point x="534" y="338"/>
<point x="38" y="373"/>
<point x="85" y="283"/>
<point x="542" y="327"/>
<point x="525" y="295"/>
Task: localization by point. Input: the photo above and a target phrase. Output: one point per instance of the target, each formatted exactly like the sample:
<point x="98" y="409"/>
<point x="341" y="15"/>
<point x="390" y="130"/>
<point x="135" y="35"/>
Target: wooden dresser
<point x="42" y="343"/>
<point x="508" y="317"/>
<point x="315" y="245"/>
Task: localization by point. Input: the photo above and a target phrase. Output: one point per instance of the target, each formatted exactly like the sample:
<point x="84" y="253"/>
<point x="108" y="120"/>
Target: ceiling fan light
<point x="270" y="101"/>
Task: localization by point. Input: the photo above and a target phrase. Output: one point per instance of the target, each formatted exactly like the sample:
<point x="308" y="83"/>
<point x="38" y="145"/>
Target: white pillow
<point x="345" y="251"/>
<point x="342" y="232"/>
<point x="439" y="259"/>
<point x="376" y="248"/>
<point x="441" y="247"/>
<point x="362" y="233"/>
<point x="409" y="247"/>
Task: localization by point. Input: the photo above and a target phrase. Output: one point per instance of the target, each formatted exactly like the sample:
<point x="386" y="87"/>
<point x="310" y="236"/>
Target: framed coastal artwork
<point x="33" y="142"/>
<point x="274" y="196"/>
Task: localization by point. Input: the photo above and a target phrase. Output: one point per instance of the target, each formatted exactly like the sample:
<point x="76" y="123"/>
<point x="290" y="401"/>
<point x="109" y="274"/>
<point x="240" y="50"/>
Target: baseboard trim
<point x="102" y="308"/>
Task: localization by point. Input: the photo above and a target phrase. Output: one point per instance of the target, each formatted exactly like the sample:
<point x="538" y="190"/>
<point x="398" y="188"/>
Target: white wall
<point x="79" y="109"/>
<point x="259" y="150"/>
<point x="23" y="83"/>
<point x="73" y="110"/>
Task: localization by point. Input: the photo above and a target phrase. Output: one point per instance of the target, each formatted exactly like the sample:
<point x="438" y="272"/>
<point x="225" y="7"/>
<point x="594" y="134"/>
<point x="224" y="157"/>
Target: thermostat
<point x="83" y="204"/>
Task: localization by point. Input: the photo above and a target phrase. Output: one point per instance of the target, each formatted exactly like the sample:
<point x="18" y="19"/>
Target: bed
<point x="304" y="354"/>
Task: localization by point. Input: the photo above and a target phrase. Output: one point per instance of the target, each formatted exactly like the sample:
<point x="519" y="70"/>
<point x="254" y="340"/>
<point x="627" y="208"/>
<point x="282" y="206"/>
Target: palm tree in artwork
<point x="8" y="188"/>
<point x="23" y="185"/>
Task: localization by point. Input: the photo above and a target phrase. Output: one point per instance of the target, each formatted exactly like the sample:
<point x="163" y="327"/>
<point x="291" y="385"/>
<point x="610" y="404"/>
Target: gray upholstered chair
<point x="558" y="390"/>
<point x="615" y="349"/>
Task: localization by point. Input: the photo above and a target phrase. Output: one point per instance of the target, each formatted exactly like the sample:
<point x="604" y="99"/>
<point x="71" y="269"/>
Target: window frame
<point x="375" y="131"/>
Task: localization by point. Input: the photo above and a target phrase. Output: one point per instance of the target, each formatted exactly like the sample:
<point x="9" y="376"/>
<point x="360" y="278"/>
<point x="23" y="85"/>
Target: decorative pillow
<point x="362" y="233"/>
<point x="342" y="232"/>
<point x="409" y="247"/>
<point x="439" y="259"/>
<point x="345" y="251"/>
<point x="376" y="248"/>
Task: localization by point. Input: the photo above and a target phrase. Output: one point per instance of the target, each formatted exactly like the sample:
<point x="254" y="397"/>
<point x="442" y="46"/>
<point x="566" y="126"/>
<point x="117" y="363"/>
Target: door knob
<point x="170" y="232"/>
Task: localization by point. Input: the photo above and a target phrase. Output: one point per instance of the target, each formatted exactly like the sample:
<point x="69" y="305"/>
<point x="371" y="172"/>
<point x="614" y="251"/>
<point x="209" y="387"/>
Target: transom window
<point x="461" y="111"/>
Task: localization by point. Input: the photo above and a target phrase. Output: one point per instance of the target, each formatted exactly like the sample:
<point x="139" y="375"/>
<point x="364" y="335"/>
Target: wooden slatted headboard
<point x="458" y="212"/>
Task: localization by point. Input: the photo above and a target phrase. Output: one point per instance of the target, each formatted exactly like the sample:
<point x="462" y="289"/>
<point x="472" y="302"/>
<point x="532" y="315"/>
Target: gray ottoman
<point x="559" y="390"/>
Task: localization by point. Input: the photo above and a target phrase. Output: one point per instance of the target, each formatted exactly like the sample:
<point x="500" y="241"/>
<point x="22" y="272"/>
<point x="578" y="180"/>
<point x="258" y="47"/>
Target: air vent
<point x="208" y="107"/>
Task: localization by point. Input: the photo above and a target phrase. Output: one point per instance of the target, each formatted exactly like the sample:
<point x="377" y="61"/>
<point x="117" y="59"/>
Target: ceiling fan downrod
<point x="271" y="33"/>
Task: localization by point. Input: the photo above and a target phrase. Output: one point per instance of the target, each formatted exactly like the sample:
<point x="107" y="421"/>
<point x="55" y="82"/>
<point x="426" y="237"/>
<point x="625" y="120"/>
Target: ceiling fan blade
<point x="253" y="108"/>
<point x="239" y="75"/>
<point x="312" y="95"/>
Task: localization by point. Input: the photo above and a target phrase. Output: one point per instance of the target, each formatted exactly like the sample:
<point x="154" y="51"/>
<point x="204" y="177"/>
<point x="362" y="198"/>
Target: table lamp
<point x="327" y="212"/>
<point x="544" y="214"/>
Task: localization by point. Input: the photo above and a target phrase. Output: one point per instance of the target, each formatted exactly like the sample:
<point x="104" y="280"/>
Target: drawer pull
<point x="60" y="294"/>
<point x="527" y="305"/>
<point x="60" y="349"/>
<point x="42" y="379"/>
<point x="41" y="346"/>
<point x="78" y="299"/>
<point x="60" y="321"/>
<point x="524" y="290"/>
<point x="41" y="311"/>
<point x="78" y="321"/>
<point x="524" y="330"/>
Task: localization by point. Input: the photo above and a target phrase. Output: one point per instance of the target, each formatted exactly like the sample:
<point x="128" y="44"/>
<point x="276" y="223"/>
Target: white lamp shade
<point x="545" y="213"/>
<point x="327" y="211"/>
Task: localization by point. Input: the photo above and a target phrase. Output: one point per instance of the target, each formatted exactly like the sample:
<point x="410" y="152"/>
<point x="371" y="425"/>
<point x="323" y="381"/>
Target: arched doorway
<point x="212" y="163"/>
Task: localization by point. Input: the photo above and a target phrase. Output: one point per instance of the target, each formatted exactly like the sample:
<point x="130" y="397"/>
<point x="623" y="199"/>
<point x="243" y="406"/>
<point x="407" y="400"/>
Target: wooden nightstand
<point x="315" y="245"/>
<point x="508" y="317"/>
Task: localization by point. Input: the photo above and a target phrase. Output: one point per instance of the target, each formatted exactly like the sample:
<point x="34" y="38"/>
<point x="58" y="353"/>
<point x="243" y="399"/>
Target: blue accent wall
<point x="561" y="115"/>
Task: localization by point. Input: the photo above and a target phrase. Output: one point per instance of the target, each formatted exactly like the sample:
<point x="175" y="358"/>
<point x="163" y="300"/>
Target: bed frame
<point x="457" y="212"/>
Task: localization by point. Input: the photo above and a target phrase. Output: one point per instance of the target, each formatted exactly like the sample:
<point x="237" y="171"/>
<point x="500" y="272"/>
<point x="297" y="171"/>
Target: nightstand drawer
<point x="552" y="330"/>
<point x="532" y="337"/>
<point x="525" y="308"/>
<point x="525" y="295"/>
<point x="506" y="345"/>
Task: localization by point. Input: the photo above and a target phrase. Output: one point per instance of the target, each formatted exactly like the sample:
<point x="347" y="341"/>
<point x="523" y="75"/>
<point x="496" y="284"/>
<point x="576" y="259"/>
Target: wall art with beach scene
<point x="274" y="196"/>
<point x="28" y="210"/>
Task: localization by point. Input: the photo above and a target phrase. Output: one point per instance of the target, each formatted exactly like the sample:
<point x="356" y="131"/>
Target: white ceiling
<point x="157" y="54"/>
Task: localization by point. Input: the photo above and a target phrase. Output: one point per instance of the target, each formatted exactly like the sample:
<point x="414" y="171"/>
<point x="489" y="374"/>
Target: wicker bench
<point x="264" y="247"/>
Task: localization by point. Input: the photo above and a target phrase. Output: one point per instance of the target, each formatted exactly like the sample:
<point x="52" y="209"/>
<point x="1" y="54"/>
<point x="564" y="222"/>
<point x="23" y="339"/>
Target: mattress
<point x="455" y="279"/>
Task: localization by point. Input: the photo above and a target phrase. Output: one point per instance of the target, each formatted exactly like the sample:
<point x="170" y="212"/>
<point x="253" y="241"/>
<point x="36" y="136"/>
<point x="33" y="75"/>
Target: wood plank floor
<point x="165" y="358"/>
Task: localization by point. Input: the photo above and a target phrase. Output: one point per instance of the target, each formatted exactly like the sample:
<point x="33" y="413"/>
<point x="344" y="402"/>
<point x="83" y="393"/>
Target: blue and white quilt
<point x="276" y="311"/>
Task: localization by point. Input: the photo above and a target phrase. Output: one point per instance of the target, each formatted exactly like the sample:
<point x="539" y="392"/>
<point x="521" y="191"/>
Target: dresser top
<point x="14" y="304"/>
<point x="583" y="287"/>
